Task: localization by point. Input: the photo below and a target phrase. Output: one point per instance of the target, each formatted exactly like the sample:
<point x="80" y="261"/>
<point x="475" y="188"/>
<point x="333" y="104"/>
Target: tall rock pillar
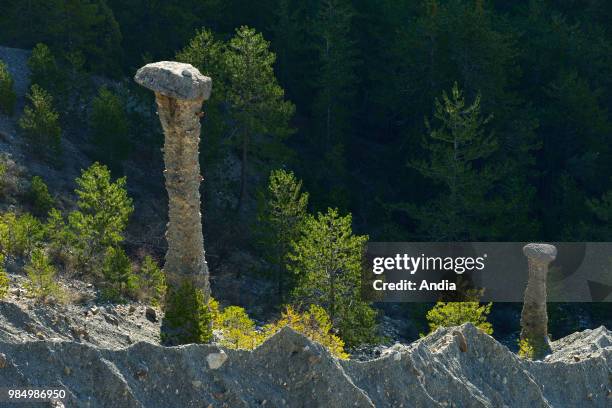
<point x="180" y="89"/>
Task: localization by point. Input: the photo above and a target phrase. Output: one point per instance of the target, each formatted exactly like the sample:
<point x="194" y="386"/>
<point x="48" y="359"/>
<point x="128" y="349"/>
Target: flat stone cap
<point x="174" y="79"/>
<point x="540" y="252"/>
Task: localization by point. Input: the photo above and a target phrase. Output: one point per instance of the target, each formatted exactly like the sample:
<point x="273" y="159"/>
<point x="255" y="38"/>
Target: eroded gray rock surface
<point x="291" y="371"/>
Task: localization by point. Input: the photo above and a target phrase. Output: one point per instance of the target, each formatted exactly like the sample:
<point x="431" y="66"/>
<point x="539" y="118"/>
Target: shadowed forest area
<point x="363" y="77"/>
<point x="399" y="120"/>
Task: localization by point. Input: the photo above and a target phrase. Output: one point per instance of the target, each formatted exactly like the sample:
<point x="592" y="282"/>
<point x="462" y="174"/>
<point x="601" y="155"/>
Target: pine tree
<point x="151" y="281"/>
<point x="335" y="84"/>
<point x="188" y="318"/>
<point x="19" y="234"/>
<point x="40" y="124"/>
<point x="257" y="106"/>
<point x="293" y="61"/>
<point x="39" y="196"/>
<point x="105" y="203"/>
<point x="44" y="70"/>
<point x="116" y="274"/>
<point x="336" y="79"/>
<point x="7" y="91"/>
<point x="4" y="279"/>
<point x="41" y="272"/>
<point x="206" y="53"/>
<point x="458" y="160"/>
<point x="109" y="126"/>
<point x="87" y="27"/>
<point x="144" y="25"/>
<point x="598" y="226"/>
<point x="248" y="108"/>
<point x="104" y="208"/>
<point x="281" y="214"/>
<point x="327" y="260"/>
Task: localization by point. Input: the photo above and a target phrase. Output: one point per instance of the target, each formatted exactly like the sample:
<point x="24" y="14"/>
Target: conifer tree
<point x="327" y="260"/>
<point x="116" y="274"/>
<point x="205" y="52"/>
<point x="105" y="204"/>
<point x="289" y="34"/>
<point x="84" y="26"/>
<point x="104" y="208"/>
<point x="4" y="279"/>
<point x="281" y="215"/>
<point x="19" y="234"/>
<point x="335" y="84"/>
<point x="7" y="91"/>
<point x="40" y="124"/>
<point x="40" y="197"/>
<point x="188" y="318"/>
<point x="151" y="281"/>
<point x="257" y="106"/>
<point x="41" y="273"/>
<point x="458" y="150"/>
<point x="336" y="79"/>
<point x="44" y="70"/>
<point x="248" y="107"/>
<point x="109" y="125"/>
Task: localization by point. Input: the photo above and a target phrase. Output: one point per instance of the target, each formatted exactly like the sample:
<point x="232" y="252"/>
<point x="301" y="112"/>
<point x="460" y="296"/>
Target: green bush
<point x="3" y="169"/>
<point x="188" y="318"/>
<point x="526" y="350"/>
<point x="103" y="212"/>
<point x="150" y="282"/>
<point x="40" y="124"/>
<point x="4" y="279"/>
<point x="238" y="329"/>
<point x="59" y="236"/>
<point x="314" y="323"/>
<point x="7" y="91"/>
<point x="117" y="276"/>
<point x="39" y="196"/>
<point x="104" y="208"/>
<point x="447" y="314"/>
<point x="19" y="234"/>
<point x="41" y="274"/>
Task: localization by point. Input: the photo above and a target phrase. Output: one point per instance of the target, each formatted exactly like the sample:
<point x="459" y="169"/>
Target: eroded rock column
<point x="534" y="318"/>
<point x="180" y="89"/>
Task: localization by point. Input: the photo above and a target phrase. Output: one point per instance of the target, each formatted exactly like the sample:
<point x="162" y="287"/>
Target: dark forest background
<point x="426" y="120"/>
<point x="364" y="76"/>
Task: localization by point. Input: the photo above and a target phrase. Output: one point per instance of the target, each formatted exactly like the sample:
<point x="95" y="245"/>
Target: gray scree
<point x="180" y="89"/>
<point x="534" y="317"/>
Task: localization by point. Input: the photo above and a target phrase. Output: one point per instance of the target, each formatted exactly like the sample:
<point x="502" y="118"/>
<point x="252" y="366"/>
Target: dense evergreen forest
<point x="400" y="120"/>
<point x="361" y="80"/>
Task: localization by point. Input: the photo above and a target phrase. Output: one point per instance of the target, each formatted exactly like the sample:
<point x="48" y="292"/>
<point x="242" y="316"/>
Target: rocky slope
<point x="455" y="367"/>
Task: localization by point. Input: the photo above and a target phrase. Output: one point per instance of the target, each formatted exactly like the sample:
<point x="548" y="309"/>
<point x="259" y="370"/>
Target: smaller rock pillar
<point x="534" y="318"/>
